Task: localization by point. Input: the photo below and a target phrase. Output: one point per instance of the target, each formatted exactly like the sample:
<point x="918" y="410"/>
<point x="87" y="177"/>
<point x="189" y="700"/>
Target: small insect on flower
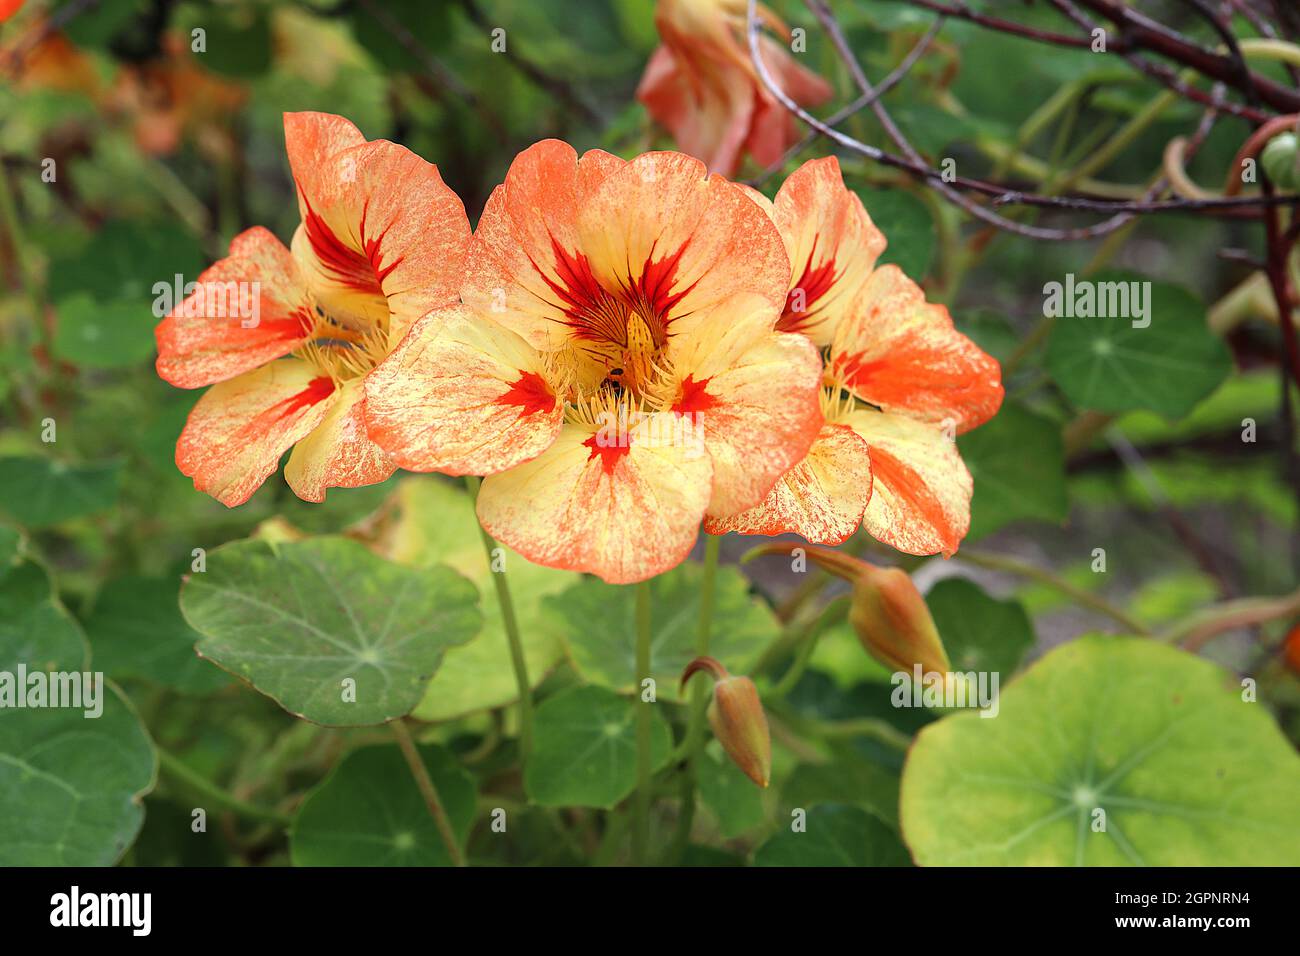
<point x="736" y="715"/>
<point x="899" y="383"/>
<point x="614" y="368"/>
<point x="701" y="85"/>
<point x="286" y="337"/>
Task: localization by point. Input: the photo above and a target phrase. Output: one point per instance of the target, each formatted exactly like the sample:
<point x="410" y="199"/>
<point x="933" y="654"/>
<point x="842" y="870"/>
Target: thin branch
<point x="864" y="100"/>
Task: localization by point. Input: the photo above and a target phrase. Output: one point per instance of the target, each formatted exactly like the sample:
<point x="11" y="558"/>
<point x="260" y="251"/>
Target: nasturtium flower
<point x="701" y="84"/>
<point x="900" y="382"/>
<point x="287" y="336"/>
<point x="614" y="367"/>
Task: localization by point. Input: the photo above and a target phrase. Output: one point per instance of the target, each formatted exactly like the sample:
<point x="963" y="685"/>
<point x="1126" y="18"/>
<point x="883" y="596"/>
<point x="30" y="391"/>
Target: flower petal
<point x="832" y="244"/>
<point x="462" y="395"/>
<point x="709" y="117"/>
<point x="661" y="235"/>
<point x="238" y="430"/>
<point x="566" y="249"/>
<point x="920" y="498"/>
<point x="902" y="354"/>
<point x="822" y="498"/>
<point x="338" y="453"/>
<point x="624" y="513"/>
<point x="381" y="232"/>
<point x="246" y="310"/>
<point x="522" y="268"/>
<point x="755" y="395"/>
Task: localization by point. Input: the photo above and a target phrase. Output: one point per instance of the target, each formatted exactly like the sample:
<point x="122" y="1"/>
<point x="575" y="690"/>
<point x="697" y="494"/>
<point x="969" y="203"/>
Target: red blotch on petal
<point x="610" y="455"/>
<point x="694" y="397"/>
<point x="317" y="390"/>
<point x="814" y="283"/>
<point x="531" y="393"/>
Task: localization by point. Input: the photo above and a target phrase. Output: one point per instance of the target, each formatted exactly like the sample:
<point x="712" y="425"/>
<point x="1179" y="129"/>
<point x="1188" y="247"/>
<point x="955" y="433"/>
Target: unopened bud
<point x="887" y="611"/>
<point x="737" y="718"/>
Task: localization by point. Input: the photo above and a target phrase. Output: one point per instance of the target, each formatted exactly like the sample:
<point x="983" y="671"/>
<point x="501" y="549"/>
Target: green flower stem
<point x="201" y="785"/>
<point x="833" y="612"/>
<point x="511" y="623"/>
<point x="1197" y="630"/>
<point x="998" y="562"/>
<point x="873" y="727"/>
<point x="427" y="790"/>
<point x="694" y="742"/>
<point x="641" y="801"/>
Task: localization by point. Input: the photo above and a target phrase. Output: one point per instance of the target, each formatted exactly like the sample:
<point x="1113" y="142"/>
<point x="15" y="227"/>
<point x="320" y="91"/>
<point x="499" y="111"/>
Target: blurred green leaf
<point x="980" y="633"/>
<point x="836" y="835"/>
<point x="600" y="627"/>
<point x="729" y="794"/>
<point x="70" y="782"/>
<point x="237" y="38"/>
<point x="99" y="334"/>
<point x="394" y="30"/>
<point x="1186" y="771"/>
<point x="905" y="220"/>
<point x="137" y="630"/>
<point x="38" y="492"/>
<point x="297" y="620"/>
<point x="1017" y="461"/>
<point x="1108" y="365"/>
<point x="369" y="812"/>
<point x="584" y="749"/>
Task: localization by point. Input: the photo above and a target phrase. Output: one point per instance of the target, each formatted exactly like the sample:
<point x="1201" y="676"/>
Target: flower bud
<point x="886" y="610"/>
<point x="1281" y="160"/>
<point x="737" y="718"/>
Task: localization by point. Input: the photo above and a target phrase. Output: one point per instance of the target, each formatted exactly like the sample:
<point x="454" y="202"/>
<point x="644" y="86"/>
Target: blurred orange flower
<point x="900" y="382"/>
<point x="8" y="8"/>
<point x="288" y="336"/>
<point x="701" y="85"/>
<point x="172" y="96"/>
<point x="614" y="368"/>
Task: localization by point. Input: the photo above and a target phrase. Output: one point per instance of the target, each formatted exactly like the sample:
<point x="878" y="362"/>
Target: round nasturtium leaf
<point x="330" y="631"/>
<point x="729" y="794"/>
<point x="979" y="632"/>
<point x="1109" y="751"/>
<point x="96" y="334"/>
<point x="600" y="626"/>
<point x="834" y="835"/>
<point x="584" y="748"/>
<point x="137" y="630"/>
<point x="1111" y="364"/>
<point x="37" y="492"/>
<point x="437" y="524"/>
<point x="35" y="629"/>
<point x="369" y="812"/>
<point x="1017" y="464"/>
<point x="71" y="777"/>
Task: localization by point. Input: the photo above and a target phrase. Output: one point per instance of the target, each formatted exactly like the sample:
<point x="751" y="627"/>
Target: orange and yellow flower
<point x="614" y="367"/>
<point x="899" y="383"/>
<point x="286" y="337"/>
<point x="701" y="85"/>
